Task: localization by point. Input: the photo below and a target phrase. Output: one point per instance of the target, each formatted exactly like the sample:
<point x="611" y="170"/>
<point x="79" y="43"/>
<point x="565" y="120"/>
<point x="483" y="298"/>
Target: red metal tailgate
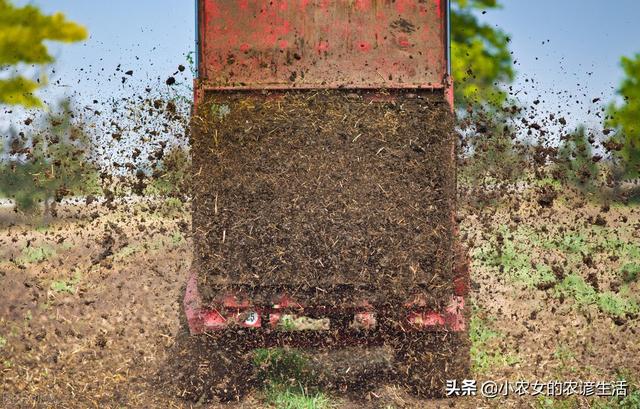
<point x="249" y="44"/>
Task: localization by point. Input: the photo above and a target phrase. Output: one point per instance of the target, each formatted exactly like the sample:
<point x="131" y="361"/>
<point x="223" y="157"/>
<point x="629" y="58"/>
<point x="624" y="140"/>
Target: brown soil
<point x="102" y="344"/>
<point x="320" y="189"/>
<point x="219" y="366"/>
<point x="87" y="324"/>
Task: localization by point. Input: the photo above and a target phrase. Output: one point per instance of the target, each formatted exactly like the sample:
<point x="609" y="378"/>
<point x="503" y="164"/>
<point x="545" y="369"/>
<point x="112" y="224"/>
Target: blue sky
<point x="570" y="48"/>
<point x="149" y="37"/>
<point x="567" y="51"/>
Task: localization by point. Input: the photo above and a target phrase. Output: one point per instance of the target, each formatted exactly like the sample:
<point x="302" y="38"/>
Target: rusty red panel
<point x="322" y="43"/>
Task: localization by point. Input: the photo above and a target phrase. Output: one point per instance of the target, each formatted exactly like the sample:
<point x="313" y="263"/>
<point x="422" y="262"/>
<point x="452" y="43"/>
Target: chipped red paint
<point x="364" y="46"/>
<point x="403" y="41"/>
<point x="284" y="301"/>
<point x="448" y="94"/>
<point x="197" y="93"/>
<point x="363" y="5"/>
<point x="461" y="286"/>
<point x="406" y="6"/>
<point x="213" y="320"/>
<point x="231" y="301"/>
<point x="322" y="47"/>
<point x="438" y="5"/>
<point x="256" y="44"/>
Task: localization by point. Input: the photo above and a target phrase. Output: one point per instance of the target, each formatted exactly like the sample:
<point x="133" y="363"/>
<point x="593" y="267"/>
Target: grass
<point x="629" y="272"/>
<point x="172" y="205"/>
<point x="285" y="374"/>
<point x="565" y="356"/>
<point x="511" y="253"/>
<point x="43" y="228"/>
<point x="547" y="402"/>
<point x="66" y="286"/>
<point x="571" y="242"/>
<point x="36" y="254"/>
<point x="631" y="401"/>
<point x="176" y="239"/>
<point x="282" y="397"/>
<point x="624" y="248"/>
<point x="544" y="182"/>
<point x="574" y="286"/>
<point x="3" y="341"/>
<point x="280" y="365"/>
<point x="129" y="250"/>
<point x="512" y="257"/>
<point x="616" y="305"/>
<point x="484" y="353"/>
<point x="563" y="353"/>
<point x="126" y="251"/>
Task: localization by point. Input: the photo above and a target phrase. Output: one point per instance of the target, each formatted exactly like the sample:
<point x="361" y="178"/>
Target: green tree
<point x="23" y="32"/>
<point x="492" y="157"/>
<point x="626" y="118"/>
<point x="575" y="163"/>
<point x="171" y="175"/>
<point x="480" y="56"/>
<point x="481" y="64"/>
<point x="49" y="164"/>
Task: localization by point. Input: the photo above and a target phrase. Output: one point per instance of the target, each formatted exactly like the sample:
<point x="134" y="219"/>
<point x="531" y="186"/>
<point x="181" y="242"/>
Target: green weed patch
<point x="484" y="354"/>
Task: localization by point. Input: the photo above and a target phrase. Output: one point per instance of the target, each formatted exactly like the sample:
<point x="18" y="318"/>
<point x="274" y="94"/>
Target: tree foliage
<point x="49" y="163"/>
<point x="481" y="63"/>
<point x="575" y="166"/>
<point x="626" y="117"/>
<point x="494" y="158"/>
<point x="171" y="176"/>
<point x="23" y="32"/>
<point x="480" y="56"/>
